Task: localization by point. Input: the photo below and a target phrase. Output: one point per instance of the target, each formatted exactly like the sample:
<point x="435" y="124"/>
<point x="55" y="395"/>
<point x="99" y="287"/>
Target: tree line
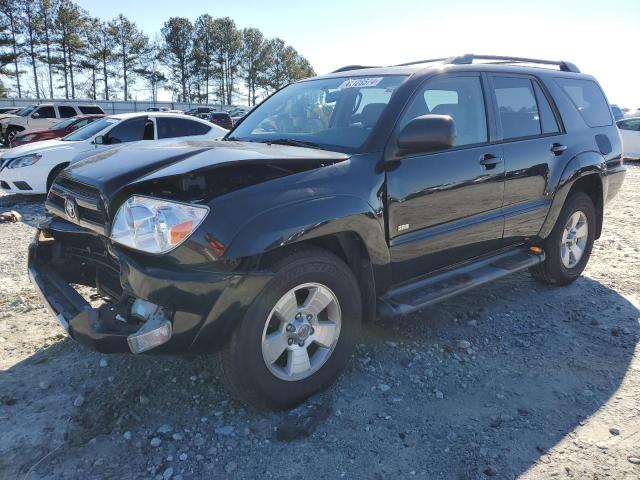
<point x="54" y="48"/>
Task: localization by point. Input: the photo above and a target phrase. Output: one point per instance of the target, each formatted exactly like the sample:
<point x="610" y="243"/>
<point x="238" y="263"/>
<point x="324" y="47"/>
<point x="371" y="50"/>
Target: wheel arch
<point x="583" y="173"/>
<point x="349" y="247"/>
<point x="53" y="173"/>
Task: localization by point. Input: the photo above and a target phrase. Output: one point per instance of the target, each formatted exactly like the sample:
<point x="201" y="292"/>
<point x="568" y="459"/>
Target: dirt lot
<point x="513" y="380"/>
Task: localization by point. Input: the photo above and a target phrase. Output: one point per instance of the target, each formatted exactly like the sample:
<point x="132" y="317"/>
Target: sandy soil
<point x="548" y="386"/>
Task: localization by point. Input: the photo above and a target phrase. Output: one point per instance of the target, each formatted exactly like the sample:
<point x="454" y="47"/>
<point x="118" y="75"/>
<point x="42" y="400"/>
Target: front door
<point x="445" y="207"/>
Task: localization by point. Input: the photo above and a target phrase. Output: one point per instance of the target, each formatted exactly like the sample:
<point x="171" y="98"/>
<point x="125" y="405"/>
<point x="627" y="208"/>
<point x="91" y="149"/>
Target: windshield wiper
<point x="293" y="143"/>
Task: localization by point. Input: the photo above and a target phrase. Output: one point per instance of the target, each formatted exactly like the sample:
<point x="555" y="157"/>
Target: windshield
<point x="26" y="111"/>
<point x="334" y="113"/>
<point x="64" y="124"/>
<point x="90" y="130"/>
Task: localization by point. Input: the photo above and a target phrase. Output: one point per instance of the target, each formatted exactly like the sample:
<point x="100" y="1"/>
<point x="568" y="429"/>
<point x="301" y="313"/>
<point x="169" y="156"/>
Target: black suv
<point x="365" y="192"/>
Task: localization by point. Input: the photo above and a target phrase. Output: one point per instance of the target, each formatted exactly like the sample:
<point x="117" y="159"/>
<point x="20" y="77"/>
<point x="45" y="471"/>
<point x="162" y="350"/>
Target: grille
<point x="90" y="207"/>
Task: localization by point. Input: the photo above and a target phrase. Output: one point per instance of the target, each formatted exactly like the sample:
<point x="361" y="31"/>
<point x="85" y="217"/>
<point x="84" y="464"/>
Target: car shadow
<point x="484" y="384"/>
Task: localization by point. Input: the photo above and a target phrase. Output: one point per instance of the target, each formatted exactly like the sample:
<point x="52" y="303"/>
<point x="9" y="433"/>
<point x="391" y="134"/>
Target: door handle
<point x="558" y="148"/>
<point x="489" y="161"/>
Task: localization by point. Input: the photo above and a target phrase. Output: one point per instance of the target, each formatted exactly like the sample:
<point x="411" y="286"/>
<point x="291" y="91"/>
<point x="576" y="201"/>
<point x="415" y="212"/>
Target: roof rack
<point x="351" y="67"/>
<point x="469" y="58"/>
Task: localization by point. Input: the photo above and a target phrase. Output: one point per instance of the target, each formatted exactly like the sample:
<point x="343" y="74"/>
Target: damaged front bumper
<point x="161" y="309"/>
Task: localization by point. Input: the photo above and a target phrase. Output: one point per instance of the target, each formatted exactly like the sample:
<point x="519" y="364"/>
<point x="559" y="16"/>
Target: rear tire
<point x="283" y="318"/>
<point x="569" y="245"/>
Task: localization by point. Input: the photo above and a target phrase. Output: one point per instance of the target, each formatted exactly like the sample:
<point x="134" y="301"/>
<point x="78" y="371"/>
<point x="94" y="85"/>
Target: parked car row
<point x="44" y="115"/>
<point x="31" y="168"/>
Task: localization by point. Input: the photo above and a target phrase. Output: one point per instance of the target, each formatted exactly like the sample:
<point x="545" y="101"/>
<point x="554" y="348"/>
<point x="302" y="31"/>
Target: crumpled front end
<point x="113" y="302"/>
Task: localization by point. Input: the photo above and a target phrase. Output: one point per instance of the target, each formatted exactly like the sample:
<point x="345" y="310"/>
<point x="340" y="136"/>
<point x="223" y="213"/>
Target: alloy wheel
<point x="301" y="332"/>
<point x="574" y="239"/>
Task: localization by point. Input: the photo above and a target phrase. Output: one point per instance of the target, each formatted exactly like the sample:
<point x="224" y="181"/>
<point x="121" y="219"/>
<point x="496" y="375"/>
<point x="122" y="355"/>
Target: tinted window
<point x="588" y="99"/>
<point x="459" y="97"/>
<point x="127" y="131"/>
<point x="517" y="107"/>
<point x="633" y="125"/>
<point x="64" y="124"/>
<point x="547" y="117"/>
<point x="91" y="130"/>
<point x="88" y="109"/>
<point x="46" y="112"/>
<point x="67" y="112"/>
<point x="179" y="127"/>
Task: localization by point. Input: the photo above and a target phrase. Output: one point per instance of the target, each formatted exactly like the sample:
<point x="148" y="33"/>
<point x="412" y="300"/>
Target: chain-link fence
<point x="116" y="106"/>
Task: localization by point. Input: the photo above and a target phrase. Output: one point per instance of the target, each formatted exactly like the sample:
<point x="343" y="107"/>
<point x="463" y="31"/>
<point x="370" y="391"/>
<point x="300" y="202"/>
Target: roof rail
<point x="469" y="58"/>
<point x="351" y="67"/>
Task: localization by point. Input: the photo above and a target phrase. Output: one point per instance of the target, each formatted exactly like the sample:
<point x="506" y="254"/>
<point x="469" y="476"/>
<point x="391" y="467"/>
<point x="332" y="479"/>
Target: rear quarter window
<point x="588" y="99"/>
<point x="91" y="109"/>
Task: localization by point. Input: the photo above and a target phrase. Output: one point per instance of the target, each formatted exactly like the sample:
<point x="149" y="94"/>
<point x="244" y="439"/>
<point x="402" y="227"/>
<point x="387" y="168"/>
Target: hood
<point x="163" y="162"/>
<point x="37" y="147"/>
<point x="7" y="116"/>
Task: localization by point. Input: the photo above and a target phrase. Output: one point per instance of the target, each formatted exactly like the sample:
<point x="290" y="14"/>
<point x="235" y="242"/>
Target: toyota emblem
<point x="71" y="208"/>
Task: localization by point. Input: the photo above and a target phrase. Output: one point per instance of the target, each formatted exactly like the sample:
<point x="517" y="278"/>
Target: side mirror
<point x="427" y="133"/>
<point x="99" y="140"/>
<point x="35" y="115"/>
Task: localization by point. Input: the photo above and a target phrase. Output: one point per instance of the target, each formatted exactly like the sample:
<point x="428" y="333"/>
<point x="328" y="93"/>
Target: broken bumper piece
<point x="103" y="328"/>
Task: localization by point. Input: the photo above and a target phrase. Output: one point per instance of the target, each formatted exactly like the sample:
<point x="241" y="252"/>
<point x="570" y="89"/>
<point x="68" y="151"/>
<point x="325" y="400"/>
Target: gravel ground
<point x="512" y="380"/>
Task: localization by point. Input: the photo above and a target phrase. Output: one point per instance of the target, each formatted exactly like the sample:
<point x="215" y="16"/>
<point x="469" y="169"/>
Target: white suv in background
<point x="31" y="168"/>
<point x="44" y="115"/>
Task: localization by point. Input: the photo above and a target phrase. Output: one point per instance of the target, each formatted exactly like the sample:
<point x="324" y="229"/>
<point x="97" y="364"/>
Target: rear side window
<point x="517" y="107"/>
<point x="90" y="109"/>
<point x="179" y="127"/>
<point x="588" y="99"/>
<point x="633" y="125"/>
<point x="66" y="111"/>
<point x="547" y="117"/>
<point x="45" y="112"/>
<point x="127" y="131"/>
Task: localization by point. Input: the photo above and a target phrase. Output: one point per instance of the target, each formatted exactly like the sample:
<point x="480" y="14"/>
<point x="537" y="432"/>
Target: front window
<point x="25" y="112"/>
<point x="90" y="130"/>
<point x="334" y="113"/>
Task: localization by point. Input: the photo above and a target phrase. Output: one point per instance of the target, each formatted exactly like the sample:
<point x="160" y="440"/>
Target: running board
<point x="409" y="298"/>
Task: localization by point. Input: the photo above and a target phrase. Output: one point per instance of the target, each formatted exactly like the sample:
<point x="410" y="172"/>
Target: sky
<point x="597" y="36"/>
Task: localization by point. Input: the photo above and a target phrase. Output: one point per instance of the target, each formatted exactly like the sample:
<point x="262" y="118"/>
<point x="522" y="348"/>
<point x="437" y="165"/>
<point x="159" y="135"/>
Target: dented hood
<point x="113" y="169"/>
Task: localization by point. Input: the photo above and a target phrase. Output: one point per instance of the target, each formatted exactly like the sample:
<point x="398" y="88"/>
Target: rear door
<point x="445" y="207"/>
<point x="534" y="145"/>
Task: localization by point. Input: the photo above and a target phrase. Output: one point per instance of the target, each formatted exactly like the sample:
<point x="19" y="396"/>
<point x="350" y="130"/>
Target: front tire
<point x="297" y="335"/>
<point x="11" y="134"/>
<point x="569" y="245"/>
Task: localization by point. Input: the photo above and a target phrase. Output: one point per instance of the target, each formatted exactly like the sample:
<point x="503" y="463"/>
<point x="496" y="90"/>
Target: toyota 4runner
<point x="369" y="191"/>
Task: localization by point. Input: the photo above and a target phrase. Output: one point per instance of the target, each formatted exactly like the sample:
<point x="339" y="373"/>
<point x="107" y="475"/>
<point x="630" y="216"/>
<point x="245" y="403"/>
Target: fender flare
<point x="583" y="164"/>
<point x="305" y="220"/>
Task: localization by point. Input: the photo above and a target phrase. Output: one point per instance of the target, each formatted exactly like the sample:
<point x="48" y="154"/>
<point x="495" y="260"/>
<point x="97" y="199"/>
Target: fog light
<point x="155" y="331"/>
<point x="152" y="334"/>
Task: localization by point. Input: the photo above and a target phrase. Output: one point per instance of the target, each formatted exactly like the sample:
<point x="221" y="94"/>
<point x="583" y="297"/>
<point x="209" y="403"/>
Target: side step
<point x="409" y="298"/>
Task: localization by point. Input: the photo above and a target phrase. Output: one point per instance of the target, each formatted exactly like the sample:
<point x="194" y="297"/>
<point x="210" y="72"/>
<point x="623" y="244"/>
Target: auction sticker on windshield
<point x="360" y="82"/>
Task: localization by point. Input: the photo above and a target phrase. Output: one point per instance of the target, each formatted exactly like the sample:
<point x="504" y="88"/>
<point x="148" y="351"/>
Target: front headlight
<point x="155" y="226"/>
<point x="24" y="161"/>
